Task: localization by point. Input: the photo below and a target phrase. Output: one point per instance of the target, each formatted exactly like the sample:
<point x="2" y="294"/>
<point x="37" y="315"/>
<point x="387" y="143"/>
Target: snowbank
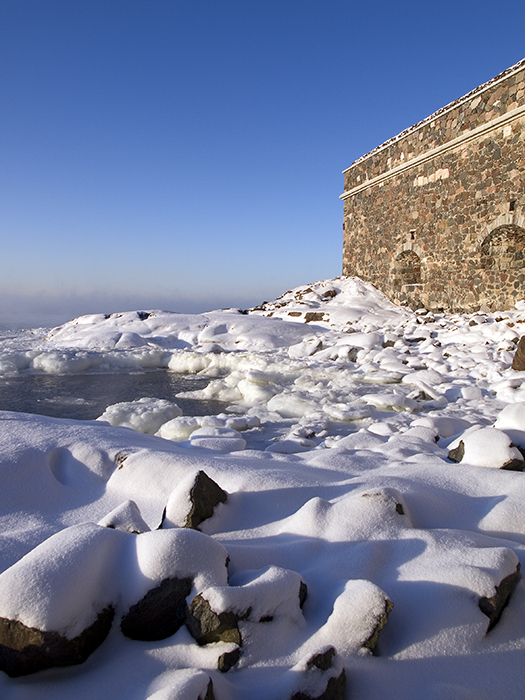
<point x="339" y="451"/>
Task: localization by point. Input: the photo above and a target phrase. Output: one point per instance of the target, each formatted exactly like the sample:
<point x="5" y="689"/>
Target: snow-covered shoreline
<point x="333" y="451"/>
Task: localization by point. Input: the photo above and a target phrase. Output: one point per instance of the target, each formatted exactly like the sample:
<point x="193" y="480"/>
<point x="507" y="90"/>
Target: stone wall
<point x="435" y="217"/>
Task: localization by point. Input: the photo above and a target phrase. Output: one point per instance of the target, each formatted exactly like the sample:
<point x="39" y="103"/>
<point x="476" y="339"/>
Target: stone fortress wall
<point x="435" y="216"/>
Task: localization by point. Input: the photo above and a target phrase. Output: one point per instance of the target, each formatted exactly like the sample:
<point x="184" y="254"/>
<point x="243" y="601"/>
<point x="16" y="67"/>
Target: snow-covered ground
<point x="333" y="457"/>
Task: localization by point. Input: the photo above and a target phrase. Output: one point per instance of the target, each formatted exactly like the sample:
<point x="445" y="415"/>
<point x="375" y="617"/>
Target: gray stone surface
<point x="457" y="454"/>
<point x="335" y="684"/>
<point x="228" y="660"/>
<point x="204" y="495"/>
<point x="381" y="622"/>
<point x="209" y="692"/>
<point x="160" y="613"/>
<point x="207" y="626"/>
<point x="518" y="363"/>
<point x="494" y="606"/>
<point x="25" y="650"/>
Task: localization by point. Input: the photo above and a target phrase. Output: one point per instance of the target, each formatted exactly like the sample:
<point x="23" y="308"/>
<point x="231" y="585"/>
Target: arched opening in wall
<point x="504" y="248"/>
<point x="407" y="269"/>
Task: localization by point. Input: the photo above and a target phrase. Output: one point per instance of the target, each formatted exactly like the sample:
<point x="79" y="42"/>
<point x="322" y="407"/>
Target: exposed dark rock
<point x="352" y="354"/>
<point x="518" y="363"/>
<point x="303" y="594"/>
<point x="120" y="458"/>
<point x="160" y="613"/>
<point x="323" y="663"/>
<point x="228" y="660"/>
<point x="162" y="519"/>
<point x="381" y="622"/>
<point x="25" y="650"/>
<point x="335" y="690"/>
<point x="209" y="692"/>
<point x="313" y="316"/>
<point x="329" y="294"/>
<point x="493" y="607"/>
<point x="515" y="465"/>
<point x="205" y="494"/>
<point x="207" y="626"/>
<point x="457" y="454"/>
<point x="417" y="339"/>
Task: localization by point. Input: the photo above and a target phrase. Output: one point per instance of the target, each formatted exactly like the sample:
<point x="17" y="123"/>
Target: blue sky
<point x="187" y="154"/>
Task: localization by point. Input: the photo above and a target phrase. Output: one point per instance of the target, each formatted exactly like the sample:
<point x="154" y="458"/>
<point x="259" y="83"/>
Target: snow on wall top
<point x="440" y="112"/>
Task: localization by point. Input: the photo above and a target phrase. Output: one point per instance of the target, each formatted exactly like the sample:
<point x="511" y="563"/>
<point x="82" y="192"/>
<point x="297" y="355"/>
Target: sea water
<point x="85" y="396"/>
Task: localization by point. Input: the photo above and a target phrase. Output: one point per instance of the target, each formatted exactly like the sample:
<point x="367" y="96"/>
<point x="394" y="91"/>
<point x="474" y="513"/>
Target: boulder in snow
<point x="518" y="363"/>
<point x="214" y="614"/>
<point x="57" y="602"/>
<point x="193" y="501"/>
<point x="493" y="607"/>
<point x="359" y="614"/>
<point x="228" y="659"/>
<point x="487" y="447"/>
<point x="207" y="626"/>
<point x="512" y="421"/>
<point x="184" y="684"/>
<point x="160" y="613"/>
<point x="25" y="650"/>
<point x="125" y="517"/>
<point x="322" y="677"/>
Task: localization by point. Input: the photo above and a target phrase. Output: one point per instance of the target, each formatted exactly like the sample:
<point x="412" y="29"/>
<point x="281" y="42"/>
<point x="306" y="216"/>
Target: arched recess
<point x="504" y="248"/>
<point x="407" y="268"/>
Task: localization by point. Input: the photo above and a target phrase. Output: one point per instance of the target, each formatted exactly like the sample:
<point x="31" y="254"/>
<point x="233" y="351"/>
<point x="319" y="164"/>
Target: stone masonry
<point x="435" y="216"/>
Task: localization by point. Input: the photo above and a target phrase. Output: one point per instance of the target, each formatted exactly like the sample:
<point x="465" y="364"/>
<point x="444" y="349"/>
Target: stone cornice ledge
<point x="428" y="155"/>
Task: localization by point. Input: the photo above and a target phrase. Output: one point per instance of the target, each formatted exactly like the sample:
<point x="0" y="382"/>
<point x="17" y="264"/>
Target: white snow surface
<point x="340" y="409"/>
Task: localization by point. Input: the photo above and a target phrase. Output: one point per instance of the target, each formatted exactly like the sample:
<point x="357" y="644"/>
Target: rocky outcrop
<point x="518" y="363"/>
<point x="49" y="599"/>
<point x="323" y="677"/>
<point x="487" y="447"/>
<point x="493" y="607"/>
<point x="25" y="650"/>
<point x="214" y="615"/>
<point x="228" y="660"/>
<point x="160" y="613"/>
<point x="207" y="626"/>
<point x="457" y="453"/>
<point x="201" y="493"/>
<point x="380" y="623"/>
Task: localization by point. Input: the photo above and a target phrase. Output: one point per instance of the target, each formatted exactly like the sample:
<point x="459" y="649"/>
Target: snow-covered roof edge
<point x="451" y="105"/>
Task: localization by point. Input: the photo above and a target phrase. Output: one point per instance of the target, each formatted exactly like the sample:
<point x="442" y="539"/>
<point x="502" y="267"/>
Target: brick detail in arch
<point x="504" y="248"/>
<point x="406" y="269"/>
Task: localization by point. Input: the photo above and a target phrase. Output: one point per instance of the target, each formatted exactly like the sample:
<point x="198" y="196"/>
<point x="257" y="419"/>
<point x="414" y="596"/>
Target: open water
<point x="85" y="396"/>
